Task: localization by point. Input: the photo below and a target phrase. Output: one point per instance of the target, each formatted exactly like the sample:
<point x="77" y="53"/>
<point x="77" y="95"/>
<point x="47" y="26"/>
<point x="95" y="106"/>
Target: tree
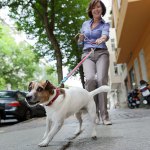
<point x="53" y="24"/>
<point x="17" y="62"/>
<point x="45" y="71"/>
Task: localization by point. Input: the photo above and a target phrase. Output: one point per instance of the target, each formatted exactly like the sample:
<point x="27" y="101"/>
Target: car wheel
<point x="0" y="118"/>
<point x="28" y="115"/>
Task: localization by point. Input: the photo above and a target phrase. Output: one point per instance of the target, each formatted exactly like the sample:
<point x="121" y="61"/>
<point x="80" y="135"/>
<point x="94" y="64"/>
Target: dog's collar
<point x="57" y="94"/>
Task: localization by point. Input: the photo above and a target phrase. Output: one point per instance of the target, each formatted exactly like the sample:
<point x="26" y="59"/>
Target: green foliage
<point x="17" y="62"/>
<point x="67" y="15"/>
<point x="2" y="83"/>
<point x="51" y="74"/>
<point x="0" y="32"/>
<point x="74" y="13"/>
<point x="46" y="72"/>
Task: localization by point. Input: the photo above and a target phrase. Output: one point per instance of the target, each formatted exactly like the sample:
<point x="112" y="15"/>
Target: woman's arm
<point x="80" y="40"/>
<point x="105" y="34"/>
<point x="81" y="37"/>
<point x="102" y="39"/>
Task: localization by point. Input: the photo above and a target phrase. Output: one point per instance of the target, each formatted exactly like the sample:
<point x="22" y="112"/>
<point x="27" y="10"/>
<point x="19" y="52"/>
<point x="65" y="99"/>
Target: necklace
<point x="94" y="25"/>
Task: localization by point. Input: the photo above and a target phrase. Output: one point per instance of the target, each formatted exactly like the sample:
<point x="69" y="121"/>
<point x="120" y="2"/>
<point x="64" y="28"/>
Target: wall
<point x="144" y="43"/>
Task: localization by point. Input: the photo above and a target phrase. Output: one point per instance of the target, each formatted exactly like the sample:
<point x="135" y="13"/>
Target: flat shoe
<point x="107" y="122"/>
<point x="98" y="121"/>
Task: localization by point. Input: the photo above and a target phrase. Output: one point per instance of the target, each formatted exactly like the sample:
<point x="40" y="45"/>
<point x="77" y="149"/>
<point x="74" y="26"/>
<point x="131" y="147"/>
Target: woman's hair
<point x="92" y="4"/>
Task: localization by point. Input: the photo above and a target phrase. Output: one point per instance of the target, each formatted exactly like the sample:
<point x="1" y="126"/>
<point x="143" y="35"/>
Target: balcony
<point x="133" y="20"/>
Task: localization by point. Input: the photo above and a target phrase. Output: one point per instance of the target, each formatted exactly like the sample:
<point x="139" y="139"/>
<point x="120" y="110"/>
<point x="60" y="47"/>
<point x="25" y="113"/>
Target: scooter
<point x="145" y="91"/>
<point x="133" y="99"/>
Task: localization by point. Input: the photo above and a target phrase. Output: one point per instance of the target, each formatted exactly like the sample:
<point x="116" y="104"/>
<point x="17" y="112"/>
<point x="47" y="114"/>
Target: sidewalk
<point x="130" y="131"/>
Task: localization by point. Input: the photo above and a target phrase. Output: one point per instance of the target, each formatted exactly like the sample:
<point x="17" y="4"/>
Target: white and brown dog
<point x="62" y="103"/>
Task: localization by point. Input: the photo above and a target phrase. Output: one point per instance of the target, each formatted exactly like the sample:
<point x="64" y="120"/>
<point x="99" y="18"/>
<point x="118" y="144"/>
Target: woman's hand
<point x="101" y="39"/>
<point x="81" y="38"/>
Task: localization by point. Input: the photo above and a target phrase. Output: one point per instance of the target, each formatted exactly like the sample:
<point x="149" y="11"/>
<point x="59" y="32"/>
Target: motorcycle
<point x="133" y="99"/>
<point x="145" y="91"/>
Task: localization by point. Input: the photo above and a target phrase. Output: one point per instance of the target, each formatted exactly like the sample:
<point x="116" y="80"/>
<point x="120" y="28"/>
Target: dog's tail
<point x="101" y="89"/>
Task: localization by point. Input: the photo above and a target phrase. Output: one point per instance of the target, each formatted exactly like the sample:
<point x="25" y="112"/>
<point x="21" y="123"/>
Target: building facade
<point x="117" y="97"/>
<point x="131" y="19"/>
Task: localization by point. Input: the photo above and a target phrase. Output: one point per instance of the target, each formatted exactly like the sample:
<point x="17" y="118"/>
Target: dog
<point x="62" y="103"/>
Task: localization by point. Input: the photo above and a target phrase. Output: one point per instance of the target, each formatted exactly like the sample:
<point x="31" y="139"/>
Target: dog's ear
<point x="50" y="87"/>
<point x="30" y="86"/>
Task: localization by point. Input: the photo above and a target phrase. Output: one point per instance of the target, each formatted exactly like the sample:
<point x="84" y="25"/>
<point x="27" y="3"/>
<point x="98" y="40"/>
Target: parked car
<point x="1" y="112"/>
<point x="14" y="105"/>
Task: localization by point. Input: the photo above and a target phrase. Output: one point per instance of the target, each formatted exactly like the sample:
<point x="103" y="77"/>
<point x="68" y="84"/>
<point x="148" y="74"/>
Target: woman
<point x="94" y="34"/>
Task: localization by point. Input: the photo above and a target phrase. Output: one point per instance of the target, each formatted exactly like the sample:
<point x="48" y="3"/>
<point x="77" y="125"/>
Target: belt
<point x="95" y="49"/>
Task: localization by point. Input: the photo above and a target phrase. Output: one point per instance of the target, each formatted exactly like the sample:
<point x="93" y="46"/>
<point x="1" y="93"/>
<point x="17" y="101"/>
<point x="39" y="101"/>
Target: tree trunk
<point x="58" y="56"/>
<point x="49" y="26"/>
<point x="82" y="76"/>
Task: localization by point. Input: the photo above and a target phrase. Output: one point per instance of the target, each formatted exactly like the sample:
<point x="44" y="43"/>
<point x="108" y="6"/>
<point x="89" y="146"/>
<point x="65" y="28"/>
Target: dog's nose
<point x="28" y="98"/>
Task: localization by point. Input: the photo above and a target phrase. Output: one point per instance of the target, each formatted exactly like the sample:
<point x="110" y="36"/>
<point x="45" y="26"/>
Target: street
<point x="130" y="131"/>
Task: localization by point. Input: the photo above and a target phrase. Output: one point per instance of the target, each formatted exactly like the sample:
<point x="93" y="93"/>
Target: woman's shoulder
<point x="105" y="23"/>
<point x="87" y="21"/>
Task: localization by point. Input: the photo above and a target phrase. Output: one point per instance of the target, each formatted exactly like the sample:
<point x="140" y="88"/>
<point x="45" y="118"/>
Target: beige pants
<point x="96" y="74"/>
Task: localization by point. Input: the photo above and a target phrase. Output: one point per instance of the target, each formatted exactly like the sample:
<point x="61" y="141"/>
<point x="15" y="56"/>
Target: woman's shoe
<point x="98" y="122"/>
<point x="107" y="122"/>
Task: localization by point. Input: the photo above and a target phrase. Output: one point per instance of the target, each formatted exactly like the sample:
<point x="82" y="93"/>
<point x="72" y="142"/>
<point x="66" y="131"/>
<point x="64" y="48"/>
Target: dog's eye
<point x="39" y="89"/>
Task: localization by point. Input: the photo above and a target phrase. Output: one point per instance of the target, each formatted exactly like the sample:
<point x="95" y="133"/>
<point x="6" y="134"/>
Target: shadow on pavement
<point x="5" y="123"/>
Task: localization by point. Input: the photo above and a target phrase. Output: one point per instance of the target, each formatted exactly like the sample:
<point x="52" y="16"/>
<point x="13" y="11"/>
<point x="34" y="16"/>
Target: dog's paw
<point x="43" y="144"/>
<point x="94" y="138"/>
<point x="77" y="132"/>
<point x="94" y="135"/>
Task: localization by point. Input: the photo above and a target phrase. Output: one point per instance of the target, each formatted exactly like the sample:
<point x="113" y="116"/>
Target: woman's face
<point x="97" y="11"/>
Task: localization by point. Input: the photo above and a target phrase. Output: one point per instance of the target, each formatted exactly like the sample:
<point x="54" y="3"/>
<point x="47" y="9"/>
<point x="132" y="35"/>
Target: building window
<point x="112" y="40"/>
<point x="115" y="69"/>
<point x="123" y="66"/>
<point x="119" y="4"/>
<point x="137" y="72"/>
<point x="113" y="44"/>
<point x="132" y="78"/>
<point x="143" y="65"/>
